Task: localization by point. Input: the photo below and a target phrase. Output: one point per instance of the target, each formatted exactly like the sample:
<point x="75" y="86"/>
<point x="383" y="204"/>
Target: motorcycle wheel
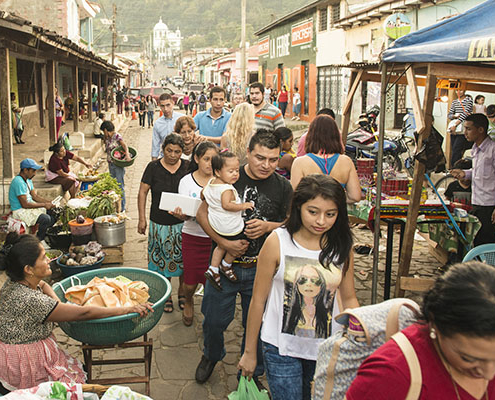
<point x="393" y="161"/>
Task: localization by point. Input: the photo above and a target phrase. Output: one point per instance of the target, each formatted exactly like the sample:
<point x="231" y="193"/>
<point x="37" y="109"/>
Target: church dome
<point x="160" y="26"/>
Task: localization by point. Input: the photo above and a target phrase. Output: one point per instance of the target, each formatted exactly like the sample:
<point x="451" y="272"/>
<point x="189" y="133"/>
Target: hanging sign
<point x="397" y="25"/>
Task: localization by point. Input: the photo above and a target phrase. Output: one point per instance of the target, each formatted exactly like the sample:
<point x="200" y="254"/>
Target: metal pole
<point x="379" y="174"/>
<point x="114" y="32"/>
<point x="243" y="45"/>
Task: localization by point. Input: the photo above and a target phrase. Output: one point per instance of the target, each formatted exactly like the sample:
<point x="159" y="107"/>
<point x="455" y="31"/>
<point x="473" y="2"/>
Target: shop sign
<point x="397" y="25"/>
<point x="280" y="46"/>
<point x="482" y="49"/>
<point x="264" y="46"/>
<point x="302" y="33"/>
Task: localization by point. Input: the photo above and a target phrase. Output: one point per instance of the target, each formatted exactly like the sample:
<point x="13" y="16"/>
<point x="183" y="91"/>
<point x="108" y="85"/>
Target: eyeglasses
<point x="315" y="281"/>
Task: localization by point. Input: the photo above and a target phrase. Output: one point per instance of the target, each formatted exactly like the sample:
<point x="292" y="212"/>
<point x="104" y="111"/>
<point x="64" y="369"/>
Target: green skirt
<point x="165" y="249"/>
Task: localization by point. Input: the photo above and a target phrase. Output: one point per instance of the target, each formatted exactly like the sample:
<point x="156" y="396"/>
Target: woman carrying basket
<point x="29" y="353"/>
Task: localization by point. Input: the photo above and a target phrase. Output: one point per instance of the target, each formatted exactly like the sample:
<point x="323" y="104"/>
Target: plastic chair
<point x="484" y="253"/>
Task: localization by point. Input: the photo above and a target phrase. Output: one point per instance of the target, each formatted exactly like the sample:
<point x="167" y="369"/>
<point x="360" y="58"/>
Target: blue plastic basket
<point x="120" y="329"/>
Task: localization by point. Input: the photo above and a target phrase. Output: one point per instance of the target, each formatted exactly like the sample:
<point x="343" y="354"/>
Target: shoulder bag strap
<point x="393" y="318"/>
<point x="331" y="368"/>
<point x="413" y="364"/>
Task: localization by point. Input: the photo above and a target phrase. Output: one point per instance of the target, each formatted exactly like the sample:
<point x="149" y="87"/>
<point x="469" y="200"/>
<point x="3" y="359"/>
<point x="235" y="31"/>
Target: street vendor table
<point x="437" y="227"/>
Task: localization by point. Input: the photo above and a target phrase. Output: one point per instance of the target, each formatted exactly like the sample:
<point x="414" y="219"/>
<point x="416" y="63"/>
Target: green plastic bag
<point x="59" y="392"/>
<point x="247" y="390"/>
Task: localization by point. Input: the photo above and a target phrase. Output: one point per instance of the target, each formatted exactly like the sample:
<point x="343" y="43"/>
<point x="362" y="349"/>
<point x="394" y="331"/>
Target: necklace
<point x="455" y="384"/>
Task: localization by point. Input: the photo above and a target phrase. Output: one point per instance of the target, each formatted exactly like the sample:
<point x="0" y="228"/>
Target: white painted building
<point x="166" y="43"/>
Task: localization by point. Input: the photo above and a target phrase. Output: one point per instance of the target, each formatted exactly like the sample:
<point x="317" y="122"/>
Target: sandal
<point x="214" y="279"/>
<point x="169" y="306"/>
<point x="182" y="301"/>
<point x="187" y="321"/>
<point x="228" y="272"/>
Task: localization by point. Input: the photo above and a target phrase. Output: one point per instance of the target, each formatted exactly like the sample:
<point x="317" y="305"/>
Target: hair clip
<point x="224" y="150"/>
<point x="6" y="249"/>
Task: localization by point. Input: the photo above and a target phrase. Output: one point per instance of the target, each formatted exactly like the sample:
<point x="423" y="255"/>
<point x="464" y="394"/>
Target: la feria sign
<point x="301" y="34"/>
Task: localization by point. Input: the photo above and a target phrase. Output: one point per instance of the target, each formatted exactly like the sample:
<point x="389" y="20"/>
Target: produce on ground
<point x="109" y="292"/>
<point x="88" y="254"/>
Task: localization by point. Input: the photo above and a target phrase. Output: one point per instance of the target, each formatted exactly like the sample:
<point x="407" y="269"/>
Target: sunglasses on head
<point x="315" y="281"/>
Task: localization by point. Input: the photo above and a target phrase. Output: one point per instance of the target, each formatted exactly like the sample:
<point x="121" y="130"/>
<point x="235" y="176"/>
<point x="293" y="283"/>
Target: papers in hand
<point x="170" y="201"/>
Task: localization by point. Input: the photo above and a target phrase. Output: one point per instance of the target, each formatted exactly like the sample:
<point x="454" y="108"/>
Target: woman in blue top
<point x="325" y="155"/>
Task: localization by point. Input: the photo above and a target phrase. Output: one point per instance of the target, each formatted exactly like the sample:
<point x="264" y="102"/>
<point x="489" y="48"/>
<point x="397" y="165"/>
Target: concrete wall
<point x="331" y="47"/>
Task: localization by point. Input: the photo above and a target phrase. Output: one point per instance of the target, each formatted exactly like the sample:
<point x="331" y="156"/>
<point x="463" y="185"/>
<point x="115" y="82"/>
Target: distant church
<point x="166" y="43"/>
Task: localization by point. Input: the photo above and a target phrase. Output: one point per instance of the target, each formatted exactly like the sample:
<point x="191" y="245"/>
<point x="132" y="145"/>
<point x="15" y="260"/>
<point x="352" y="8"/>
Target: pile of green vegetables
<point x="105" y="184"/>
<point x="101" y="205"/>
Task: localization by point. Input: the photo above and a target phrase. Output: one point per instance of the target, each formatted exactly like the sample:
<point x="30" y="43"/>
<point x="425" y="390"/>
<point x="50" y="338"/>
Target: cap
<point x="29" y="163"/>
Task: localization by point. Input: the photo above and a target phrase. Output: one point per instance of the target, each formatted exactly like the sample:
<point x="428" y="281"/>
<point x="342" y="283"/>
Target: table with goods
<point x="432" y="217"/>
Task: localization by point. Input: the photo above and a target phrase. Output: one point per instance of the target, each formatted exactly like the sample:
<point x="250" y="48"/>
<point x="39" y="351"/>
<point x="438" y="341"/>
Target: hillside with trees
<point x="202" y="23"/>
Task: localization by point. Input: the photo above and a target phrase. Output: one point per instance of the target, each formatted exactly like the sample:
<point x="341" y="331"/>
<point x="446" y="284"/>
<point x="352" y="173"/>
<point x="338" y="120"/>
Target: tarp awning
<point x="464" y="38"/>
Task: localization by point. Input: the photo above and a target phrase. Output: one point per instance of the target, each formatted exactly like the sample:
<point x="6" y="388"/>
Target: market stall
<point x="459" y="49"/>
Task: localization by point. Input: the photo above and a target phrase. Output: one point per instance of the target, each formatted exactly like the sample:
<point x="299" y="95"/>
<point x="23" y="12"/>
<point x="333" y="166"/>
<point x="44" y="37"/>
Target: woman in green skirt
<point x="164" y="236"/>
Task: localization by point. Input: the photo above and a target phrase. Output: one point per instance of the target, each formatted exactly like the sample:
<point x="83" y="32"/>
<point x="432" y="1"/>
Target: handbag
<point x="247" y="390"/>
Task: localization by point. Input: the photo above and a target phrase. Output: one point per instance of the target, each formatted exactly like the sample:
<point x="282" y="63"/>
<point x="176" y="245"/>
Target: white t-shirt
<point x="296" y="98"/>
<point x="226" y="223"/>
<point x="302" y="302"/>
<point x="189" y="187"/>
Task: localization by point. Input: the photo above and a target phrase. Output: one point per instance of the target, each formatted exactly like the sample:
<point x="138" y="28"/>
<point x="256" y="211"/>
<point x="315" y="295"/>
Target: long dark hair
<point x="336" y="243"/>
<point x="199" y="151"/>
<point x="296" y="308"/>
<point x="463" y="301"/>
<point x="324" y="135"/>
<point x="17" y="252"/>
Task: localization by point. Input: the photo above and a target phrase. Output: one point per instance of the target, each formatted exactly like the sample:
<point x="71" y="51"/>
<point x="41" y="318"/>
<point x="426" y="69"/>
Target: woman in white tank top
<point x="305" y="270"/>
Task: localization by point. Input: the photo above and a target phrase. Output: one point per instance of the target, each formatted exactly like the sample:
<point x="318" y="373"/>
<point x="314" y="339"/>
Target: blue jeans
<point x="44" y="222"/>
<point x="118" y="173"/>
<point x="288" y="377"/>
<point x="151" y="114"/>
<point x="218" y="309"/>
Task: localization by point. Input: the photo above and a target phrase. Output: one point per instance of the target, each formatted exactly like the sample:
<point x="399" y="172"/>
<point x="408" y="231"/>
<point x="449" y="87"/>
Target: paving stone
<point x="164" y="390"/>
<point x="177" y="363"/>
<point x="178" y="335"/>
<point x="194" y="391"/>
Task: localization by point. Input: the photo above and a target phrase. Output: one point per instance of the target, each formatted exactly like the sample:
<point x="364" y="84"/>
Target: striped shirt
<point x="463" y="110"/>
<point x="269" y="117"/>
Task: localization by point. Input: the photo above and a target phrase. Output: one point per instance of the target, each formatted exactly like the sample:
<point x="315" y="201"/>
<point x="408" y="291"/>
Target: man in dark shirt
<point x="271" y="194"/>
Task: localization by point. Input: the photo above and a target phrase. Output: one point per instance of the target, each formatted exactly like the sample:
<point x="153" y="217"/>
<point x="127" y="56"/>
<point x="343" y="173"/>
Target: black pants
<point x="142" y="118"/>
<point x="283" y="107"/>
<point x="486" y="234"/>
<point x="459" y="144"/>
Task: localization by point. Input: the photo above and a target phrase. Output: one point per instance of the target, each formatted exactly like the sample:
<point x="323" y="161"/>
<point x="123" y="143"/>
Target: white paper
<point x="170" y="201"/>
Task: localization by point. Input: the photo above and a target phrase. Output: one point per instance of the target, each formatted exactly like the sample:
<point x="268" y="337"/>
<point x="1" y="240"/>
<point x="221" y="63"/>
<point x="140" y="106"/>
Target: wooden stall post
<point x="105" y="90"/>
<point x="75" y="94"/>
<point x="98" y="91"/>
<point x="419" y="171"/>
<point x="90" y="102"/>
<point x="5" y="112"/>
<point x="50" y="100"/>
<point x="448" y="139"/>
<point x="346" y="111"/>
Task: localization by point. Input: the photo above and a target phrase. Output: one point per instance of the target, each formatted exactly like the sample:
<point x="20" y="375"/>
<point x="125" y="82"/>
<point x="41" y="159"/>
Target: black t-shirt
<point x="161" y="180"/>
<point x="271" y="198"/>
<point x="455" y="187"/>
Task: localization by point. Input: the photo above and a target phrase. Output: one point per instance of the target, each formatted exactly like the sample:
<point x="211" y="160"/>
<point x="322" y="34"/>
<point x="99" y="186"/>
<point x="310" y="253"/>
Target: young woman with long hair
<point x="239" y="130"/>
<point x="304" y="276"/>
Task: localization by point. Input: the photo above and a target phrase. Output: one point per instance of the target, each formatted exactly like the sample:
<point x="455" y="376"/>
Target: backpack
<point x="202" y="99"/>
<point x="340" y="355"/>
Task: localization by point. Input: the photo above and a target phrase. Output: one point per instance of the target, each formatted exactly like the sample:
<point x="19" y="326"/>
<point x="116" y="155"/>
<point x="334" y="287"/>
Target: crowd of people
<point x="273" y="228"/>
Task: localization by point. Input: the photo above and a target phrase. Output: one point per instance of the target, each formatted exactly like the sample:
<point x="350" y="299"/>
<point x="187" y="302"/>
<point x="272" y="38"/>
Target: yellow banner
<point x="482" y="50"/>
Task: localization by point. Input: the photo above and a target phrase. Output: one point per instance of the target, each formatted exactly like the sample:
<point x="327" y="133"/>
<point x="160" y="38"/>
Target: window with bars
<point x="335" y="13"/>
<point x="26" y="83"/>
<point x="329" y="87"/>
<point x="323" y="22"/>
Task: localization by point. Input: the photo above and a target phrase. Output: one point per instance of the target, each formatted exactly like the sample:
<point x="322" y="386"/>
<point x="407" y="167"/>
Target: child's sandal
<point x="228" y="272"/>
<point x="214" y="279"/>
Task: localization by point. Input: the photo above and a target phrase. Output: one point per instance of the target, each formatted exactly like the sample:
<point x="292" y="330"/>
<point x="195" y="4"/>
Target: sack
<point x="431" y="153"/>
<point x="247" y="390"/>
<point x="365" y="330"/>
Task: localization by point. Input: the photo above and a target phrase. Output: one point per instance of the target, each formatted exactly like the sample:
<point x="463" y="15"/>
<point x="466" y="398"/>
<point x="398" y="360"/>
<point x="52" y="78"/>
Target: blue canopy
<point x="466" y="37"/>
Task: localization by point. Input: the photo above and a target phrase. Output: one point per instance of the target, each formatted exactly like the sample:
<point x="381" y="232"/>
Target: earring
<point x="433" y="334"/>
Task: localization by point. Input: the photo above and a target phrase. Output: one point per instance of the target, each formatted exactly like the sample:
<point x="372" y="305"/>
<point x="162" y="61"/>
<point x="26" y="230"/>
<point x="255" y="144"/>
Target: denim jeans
<point x="288" y="377"/>
<point x="44" y="221"/>
<point x="118" y="173"/>
<point x="151" y="114"/>
<point x="218" y="309"/>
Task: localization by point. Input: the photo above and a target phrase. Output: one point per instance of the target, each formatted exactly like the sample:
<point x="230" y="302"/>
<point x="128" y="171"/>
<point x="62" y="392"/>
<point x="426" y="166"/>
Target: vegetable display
<point x="105" y="184"/>
<point x="102" y="205"/>
<point x="83" y="255"/>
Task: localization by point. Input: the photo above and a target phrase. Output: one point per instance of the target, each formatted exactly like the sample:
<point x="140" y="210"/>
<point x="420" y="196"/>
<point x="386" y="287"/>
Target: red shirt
<point x="55" y="164"/>
<point x="385" y="374"/>
<point x="282" y="98"/>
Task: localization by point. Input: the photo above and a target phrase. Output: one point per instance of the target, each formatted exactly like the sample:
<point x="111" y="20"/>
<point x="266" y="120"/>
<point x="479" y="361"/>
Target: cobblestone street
<point x="177" y="349"/>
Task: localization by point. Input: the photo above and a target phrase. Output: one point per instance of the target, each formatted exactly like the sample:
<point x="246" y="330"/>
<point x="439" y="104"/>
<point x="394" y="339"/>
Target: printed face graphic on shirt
<point x="309" y="297"/>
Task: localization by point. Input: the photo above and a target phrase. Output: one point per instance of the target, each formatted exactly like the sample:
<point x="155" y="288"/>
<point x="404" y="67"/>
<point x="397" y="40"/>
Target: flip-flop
<point x="182" y="301"/>
<point x="169" y="306"/>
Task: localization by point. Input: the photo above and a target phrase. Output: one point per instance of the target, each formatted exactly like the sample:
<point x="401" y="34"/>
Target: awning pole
<point x="379" y="174"/>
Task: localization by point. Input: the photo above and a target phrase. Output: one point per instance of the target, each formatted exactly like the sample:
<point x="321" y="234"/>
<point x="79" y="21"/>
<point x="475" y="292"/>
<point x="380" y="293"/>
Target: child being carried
<point x="224" y="214"/>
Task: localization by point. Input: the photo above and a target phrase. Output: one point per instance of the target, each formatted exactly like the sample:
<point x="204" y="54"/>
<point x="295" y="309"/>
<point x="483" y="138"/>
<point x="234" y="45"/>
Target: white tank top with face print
<point x="302" y="302"/>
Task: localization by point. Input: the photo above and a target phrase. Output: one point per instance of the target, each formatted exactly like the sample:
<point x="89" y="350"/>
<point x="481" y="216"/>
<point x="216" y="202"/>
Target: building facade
<point x="287" y="57"/>
<point x="166" y="43"/>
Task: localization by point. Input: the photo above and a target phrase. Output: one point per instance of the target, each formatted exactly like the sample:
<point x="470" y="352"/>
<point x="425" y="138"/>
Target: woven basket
<point x="123" y="328"/>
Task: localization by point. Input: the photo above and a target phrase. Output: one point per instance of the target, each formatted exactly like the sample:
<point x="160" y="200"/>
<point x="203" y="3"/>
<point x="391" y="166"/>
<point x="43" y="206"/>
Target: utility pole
<point x="243" y="45"/>
<point x="114" y="32"/>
